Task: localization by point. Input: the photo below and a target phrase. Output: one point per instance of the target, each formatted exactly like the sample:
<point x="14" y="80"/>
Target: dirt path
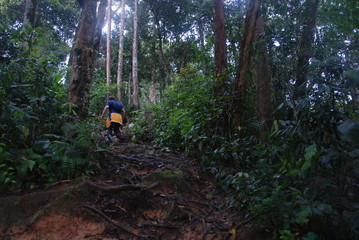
<point x="139" y="192"/>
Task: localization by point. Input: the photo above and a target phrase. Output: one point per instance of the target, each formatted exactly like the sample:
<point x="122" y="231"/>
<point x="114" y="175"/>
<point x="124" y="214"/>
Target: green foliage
<point x="98" y="97"/>
<point x="187" y="118"/>
<point x="7" y="172"/>
<point x="287" y="183"/>
<point x="50" y="160"/>
<point x="140" y="128"/>
<point x="292" y="182"/>
<point x="76" y="156"/>
<point x="32" y="114"/>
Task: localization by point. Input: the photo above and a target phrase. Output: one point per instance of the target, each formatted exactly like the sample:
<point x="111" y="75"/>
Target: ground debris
<point x="139" y="192"/>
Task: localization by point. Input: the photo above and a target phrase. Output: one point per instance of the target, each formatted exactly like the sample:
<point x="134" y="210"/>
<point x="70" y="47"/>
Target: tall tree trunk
<point x="244" y="62"/>
<point x="162" y="58"/>
<point x="120" y="51"/>
<point x="201" y="42"/>
<point x="84" y="55"/>
<point x="262" y="76"/>
<point x="129" y="90"/>
<point x="134" y="57"/>
<point x="31" y="14"/>
<point x="108" y="47"/>
<point x="152" y="95"/>
<point x="220" y="51"/>
<point x="100" y="22"/>
<point x="31" y="18"/>
<point x="153" y="90"/>
<point x="184" y="56"/>
<point x="201" y="34"/>
<point x="220" y="55"/>
<point x="160" y="44"/>
<point x="305" y="47"/>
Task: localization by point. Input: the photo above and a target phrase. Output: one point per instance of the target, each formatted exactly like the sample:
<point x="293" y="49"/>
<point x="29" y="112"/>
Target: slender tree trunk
<point x="201" y="41"/>
<point x="31" y="18"/>
<point x="162" y="58"/>
<point x="262" y="76"/>
<point x="129" y="90"/>
<point x="152" y="95"/>
<point x="201" y="35"/>
<point x="84" y="55"/>
<point x="220" y="50"/>
<point x="134" y="57"/>
<point x="100" y="22"/>
<point x="120" y="51"/>
<point x="305" y="47"/>
<point x="160" y="44"/>
<point x="153" y="90"/>
<point x="108" y="47"/>
<point x="31" y="14"/>
<point x="244" y="62"/>
<point x="184" y="56"/>
<point x="220" y="55"/>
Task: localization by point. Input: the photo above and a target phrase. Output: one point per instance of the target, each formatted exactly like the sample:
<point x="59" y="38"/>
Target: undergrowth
<point x="39" y="143"/>
<point x="298" y="182"/>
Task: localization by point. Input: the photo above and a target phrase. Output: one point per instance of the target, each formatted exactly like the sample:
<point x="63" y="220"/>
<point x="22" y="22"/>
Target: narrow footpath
<point x="138" y="192"/>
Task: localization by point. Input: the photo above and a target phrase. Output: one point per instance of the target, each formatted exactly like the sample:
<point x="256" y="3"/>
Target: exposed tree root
<point x="117" y="189"/>
<point x="122" y="228"/>
<point x="169" y="197"/>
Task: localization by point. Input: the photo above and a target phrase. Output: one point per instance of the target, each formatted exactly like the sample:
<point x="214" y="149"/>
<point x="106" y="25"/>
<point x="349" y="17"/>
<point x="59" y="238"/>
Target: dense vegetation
<point x="297" y="178"/>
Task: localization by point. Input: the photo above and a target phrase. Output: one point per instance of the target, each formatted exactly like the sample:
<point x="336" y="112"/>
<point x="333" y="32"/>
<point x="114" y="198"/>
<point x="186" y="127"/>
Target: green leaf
<point x="24" y="166"/>
<point x="29" y="164"/>
<point x="310" y="152"/>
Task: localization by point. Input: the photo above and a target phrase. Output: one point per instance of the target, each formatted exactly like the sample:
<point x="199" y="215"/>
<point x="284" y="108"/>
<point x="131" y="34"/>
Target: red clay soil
<point x="139" y="192"/>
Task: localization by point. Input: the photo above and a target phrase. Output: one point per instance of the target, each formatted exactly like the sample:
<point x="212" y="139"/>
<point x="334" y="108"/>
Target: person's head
<point x="111" y="98"/>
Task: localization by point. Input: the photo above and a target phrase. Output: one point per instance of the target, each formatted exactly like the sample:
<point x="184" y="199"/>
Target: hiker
<point x="115" y="117"/>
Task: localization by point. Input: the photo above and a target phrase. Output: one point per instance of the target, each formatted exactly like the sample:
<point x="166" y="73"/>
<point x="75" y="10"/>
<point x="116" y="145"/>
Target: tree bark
<point x="162" y="58"/>
<point x="160" y="44"/>
<point x="31" y="18"/>
<point x="129" y="90"/>
<point x="84" y="55"/>
<point x="108" y="47"/>
<point x="153" y="90"/>
<point x="305" y="47"/>
<point x="244" y="62"/>
<point x="184" y="56"/>
<point x="220" y="51"/>
<point x="152" y="95"/>
<point x="201" y="42"/>
<point x="134" y="57"/>
<point x="120" y="51"/>
<point x="31" y="14"/>
<point x="100" y="22"/>
<point x="262" y="76"/>
<point x="221" y="65"/>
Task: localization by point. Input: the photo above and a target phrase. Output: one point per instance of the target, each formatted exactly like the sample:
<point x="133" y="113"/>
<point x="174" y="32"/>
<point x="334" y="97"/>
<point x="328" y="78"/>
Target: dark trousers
<point x="114" y="127"/>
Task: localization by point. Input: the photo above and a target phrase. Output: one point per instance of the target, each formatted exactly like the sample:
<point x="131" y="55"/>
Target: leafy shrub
<point x="78" y="155"/>
<point x="187" y="117"/>
<point x="50" y="160"/>
<point x="140" y="126"/>
<point x="292" y="183"/>
<point x="31" y="99"/>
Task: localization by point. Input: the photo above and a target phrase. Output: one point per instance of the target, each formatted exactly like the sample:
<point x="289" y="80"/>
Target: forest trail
<point x="139" y="192"/>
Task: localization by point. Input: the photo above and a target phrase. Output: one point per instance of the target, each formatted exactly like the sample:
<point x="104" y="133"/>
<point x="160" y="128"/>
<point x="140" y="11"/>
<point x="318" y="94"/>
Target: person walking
<point x="115" y="117"/>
